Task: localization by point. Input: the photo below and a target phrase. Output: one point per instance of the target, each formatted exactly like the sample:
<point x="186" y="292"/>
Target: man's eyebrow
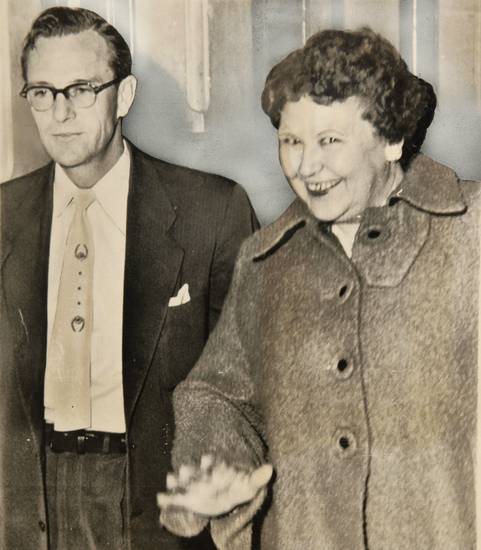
<point x="39" y="83"/>
<point x="71" y="83"/>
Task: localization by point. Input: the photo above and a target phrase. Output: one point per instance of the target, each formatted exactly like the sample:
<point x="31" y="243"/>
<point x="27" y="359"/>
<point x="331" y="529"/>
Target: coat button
<point x="375" y="234"/>
<point x="344" y="368"/>
<point x="344" y="442"/>
<point x="42" y="525"/>
<point x="345" y="291"/>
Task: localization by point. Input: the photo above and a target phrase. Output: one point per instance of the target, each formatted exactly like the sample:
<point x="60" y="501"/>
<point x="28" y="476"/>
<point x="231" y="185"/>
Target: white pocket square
<point x="182" y="297"/>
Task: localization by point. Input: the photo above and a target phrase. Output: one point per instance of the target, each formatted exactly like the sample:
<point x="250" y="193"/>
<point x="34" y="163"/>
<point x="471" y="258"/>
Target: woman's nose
<point x="310" y="164"/>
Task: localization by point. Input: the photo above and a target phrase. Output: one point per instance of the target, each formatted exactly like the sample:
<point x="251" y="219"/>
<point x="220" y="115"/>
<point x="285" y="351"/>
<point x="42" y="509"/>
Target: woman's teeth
<point x="321" y="186"/>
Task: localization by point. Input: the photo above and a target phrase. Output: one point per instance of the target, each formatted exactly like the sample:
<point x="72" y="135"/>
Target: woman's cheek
<point x="340" y="161"/>
<point x="290" y="160"/>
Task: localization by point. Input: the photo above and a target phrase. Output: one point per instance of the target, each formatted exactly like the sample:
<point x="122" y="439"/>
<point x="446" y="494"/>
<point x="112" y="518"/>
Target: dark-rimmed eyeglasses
<point x="82" y="95"/>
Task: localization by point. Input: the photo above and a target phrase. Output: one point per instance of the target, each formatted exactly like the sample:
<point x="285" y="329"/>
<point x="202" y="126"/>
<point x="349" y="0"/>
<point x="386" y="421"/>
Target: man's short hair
<point x="62" y="21"/>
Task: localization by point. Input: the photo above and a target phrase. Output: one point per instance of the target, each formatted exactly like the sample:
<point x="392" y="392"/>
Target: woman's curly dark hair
<point x="334" y="65"/>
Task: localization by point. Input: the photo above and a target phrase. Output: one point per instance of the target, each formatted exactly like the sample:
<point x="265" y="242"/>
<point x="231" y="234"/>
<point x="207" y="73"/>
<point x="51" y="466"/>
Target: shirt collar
<point x="111" y="190"/>
<point x="426" y="185"/>
<point x="63" y="191"/>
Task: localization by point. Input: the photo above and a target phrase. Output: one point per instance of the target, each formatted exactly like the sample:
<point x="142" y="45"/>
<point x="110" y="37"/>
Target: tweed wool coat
<point x="355" y="378"/>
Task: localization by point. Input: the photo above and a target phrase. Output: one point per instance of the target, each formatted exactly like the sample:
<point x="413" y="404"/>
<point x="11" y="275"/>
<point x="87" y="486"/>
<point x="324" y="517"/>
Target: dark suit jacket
<point x="183" y="226"/>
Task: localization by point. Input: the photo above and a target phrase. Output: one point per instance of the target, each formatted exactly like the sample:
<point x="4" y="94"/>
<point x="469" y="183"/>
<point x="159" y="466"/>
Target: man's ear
<point x="125" y="95"/>
<point x="393" y="151"/>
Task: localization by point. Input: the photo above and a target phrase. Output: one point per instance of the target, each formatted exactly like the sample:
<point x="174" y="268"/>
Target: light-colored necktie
<point x="67" y="379"/>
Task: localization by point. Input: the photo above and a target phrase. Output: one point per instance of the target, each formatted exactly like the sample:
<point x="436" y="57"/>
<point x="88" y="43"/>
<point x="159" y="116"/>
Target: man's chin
<point x="67" y="160"/>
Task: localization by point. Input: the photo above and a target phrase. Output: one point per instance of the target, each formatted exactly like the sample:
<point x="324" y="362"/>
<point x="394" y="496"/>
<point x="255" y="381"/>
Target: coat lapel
<point x="152" y="263"/>
<point x="25" y="242"/>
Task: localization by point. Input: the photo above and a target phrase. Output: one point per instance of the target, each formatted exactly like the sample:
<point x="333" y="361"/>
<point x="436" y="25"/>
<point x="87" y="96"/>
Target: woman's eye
<point x="328" y="140"/>
<point x="290" y="140"/>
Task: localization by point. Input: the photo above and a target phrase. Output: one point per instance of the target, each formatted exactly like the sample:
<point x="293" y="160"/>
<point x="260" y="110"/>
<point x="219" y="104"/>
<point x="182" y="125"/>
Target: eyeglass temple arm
<point x="65" y="91"/>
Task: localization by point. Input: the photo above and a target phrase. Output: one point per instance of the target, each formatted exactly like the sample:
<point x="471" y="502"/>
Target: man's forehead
<point x="69" y="57"/>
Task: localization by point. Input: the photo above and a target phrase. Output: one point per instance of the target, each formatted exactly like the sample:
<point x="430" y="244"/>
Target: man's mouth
<point x="66" y="135"/>
<point x="319" y="188"/>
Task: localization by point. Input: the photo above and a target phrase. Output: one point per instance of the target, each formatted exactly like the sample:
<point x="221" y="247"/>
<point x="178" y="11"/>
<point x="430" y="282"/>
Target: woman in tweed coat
<point x="346" y="353"/>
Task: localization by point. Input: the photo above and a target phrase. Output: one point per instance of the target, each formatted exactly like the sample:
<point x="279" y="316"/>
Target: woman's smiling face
<point x="333" y="158"/>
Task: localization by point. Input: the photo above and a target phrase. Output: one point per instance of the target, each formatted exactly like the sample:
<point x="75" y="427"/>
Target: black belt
<point x="84" y="441"/>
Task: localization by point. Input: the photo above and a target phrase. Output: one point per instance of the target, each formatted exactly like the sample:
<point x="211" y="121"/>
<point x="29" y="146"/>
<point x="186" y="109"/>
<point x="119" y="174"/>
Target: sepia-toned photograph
<point x="239" y="274"/>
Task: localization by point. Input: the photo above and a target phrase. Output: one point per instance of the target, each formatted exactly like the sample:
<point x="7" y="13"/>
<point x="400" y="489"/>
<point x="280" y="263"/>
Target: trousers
<point x="85" y="501"/>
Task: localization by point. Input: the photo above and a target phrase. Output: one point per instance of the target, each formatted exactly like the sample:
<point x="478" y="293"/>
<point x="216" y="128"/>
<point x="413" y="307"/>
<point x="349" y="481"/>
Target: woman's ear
<point x="125" y="95"/>
<point x="393" y="151"/>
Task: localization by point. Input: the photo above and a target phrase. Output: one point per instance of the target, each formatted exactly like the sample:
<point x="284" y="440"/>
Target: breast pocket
<point x="182" y="340"/>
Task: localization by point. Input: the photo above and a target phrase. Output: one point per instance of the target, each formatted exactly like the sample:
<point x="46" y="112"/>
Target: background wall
<point x="242" y="40"/>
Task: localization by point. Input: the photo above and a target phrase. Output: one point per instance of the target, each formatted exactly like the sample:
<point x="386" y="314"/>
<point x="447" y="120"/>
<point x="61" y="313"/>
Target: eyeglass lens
<point x="42" y="98"/>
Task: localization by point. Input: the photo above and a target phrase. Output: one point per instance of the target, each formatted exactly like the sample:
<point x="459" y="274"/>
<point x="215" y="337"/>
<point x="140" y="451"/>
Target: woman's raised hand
<point x="213" y="488"/>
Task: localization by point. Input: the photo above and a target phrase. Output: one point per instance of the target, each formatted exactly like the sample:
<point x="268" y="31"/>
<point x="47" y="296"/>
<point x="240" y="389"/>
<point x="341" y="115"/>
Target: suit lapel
<point x="152" y="263"/>
<point x="26" y="237"/>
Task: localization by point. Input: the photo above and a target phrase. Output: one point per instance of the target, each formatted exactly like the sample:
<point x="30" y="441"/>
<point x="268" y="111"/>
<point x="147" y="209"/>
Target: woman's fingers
<point x="186" y="474"/>
<point x="206" y="462"/>
<point x="171" y="482"/>
<point x="213" y="490"/>
<point x="261" y="477"/>
<point x="187" y="500"/>
<point x="245" y="486"/>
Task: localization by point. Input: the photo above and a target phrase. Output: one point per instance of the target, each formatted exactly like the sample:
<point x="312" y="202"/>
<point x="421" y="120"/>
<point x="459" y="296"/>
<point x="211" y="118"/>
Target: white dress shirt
<point x="108" y="220"/>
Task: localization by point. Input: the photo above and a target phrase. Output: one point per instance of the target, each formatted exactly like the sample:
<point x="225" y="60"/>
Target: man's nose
<point x="62" y="108"/>
<point x="311" y="164"/>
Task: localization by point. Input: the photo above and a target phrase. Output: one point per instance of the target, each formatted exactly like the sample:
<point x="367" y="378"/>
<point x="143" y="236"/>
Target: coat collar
<point x="427" y="186"/>
<point x="431" y="187"/>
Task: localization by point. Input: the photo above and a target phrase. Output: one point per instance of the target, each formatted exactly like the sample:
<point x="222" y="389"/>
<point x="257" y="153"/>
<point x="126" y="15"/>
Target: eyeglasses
<point x="82" y="95"/>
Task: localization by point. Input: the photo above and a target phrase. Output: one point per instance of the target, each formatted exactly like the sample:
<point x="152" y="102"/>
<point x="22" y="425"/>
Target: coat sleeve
<point x="216" y="414"/>
<point x="239" y="222"/>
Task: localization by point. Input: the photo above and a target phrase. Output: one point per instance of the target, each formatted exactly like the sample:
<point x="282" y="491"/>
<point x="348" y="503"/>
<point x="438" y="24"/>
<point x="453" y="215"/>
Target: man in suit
<point x="114" y="267"/>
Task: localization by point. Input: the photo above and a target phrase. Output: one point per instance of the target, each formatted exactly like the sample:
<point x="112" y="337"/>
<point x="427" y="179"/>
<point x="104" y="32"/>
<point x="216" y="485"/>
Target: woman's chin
<point x="325" y="210"/>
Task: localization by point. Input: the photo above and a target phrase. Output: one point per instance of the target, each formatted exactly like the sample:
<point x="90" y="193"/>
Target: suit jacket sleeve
<point x="216" y="414"/>
<point x="239" y="221"/>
